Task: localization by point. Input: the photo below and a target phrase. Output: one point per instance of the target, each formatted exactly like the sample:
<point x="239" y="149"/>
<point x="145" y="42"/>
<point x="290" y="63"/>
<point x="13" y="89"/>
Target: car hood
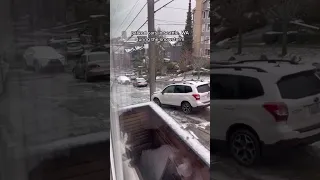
<point x="50" y="56"/>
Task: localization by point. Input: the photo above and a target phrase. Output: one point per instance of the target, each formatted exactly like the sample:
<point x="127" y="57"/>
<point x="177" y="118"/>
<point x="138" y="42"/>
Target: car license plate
<point x="314" y="108"/>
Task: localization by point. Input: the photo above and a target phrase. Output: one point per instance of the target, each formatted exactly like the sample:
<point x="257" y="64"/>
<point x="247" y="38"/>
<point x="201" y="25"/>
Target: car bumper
<point x="294" y="139"/>
<point x="142" y="85"/>
<point x="200" y="104"/>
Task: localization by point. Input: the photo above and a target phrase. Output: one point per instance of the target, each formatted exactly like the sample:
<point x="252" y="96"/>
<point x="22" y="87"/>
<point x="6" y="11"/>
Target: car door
<point x="167" y="94"/>
<point x="223" y="90"/>
<point x="179" y="95"/>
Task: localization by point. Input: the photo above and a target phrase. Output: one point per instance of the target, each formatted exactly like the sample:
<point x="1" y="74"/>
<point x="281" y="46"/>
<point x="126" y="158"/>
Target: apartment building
<point x="201" y="28"/>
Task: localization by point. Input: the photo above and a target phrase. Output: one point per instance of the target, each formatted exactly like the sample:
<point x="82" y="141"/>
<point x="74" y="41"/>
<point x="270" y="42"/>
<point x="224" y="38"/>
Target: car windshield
<point x="141" y="80"/>
<point x="74" y="44"/>
<point x="99" y="57"/>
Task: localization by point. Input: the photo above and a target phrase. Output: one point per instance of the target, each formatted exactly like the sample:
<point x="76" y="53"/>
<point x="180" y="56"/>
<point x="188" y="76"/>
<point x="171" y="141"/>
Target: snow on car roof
<point x="185" y="135"/>
<point x="44" y="50"/>
<point x="195" y="83"/>
<point x="281" y="69"/>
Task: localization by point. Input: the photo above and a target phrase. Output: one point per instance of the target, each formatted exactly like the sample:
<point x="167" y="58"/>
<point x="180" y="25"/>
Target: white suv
<point x="260" y="104"/>
<point x="188" y="95"/>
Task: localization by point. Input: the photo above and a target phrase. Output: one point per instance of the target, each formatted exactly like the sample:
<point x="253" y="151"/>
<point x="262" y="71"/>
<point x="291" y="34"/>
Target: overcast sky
<point x="174" y="13"/>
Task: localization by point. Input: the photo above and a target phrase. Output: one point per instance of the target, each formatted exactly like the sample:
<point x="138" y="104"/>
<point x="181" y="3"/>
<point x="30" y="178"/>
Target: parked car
<point x="133" y="77"/>
<point x="123" y="80"/>
<point x="261" y="105"/>
<point x="42" y="58"/>
<point x="140" y="82"/>
<point x="188" y="95"/>
<point x="74" y="48"/>
<point x="92" y="65"/>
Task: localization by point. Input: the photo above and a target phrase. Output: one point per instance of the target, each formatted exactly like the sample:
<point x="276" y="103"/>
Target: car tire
<point x="157" y="101"/>
<point x="75" y="74"/>
<point x="244" y="147"/>
<point x="186" y="107"/>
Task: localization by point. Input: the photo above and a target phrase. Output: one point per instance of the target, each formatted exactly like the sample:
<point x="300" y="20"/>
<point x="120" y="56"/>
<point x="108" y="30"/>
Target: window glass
<point x="169" y="89"/>
<point x="188" y="89"/>
<point x="299" y="85"/>
<point x="235" y="87"/>
<point x="179" y="89"/>
<point x="203" y="88"/>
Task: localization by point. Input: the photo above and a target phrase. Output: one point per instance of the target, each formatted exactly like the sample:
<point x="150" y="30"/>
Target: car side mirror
<point x="162" y="92"/>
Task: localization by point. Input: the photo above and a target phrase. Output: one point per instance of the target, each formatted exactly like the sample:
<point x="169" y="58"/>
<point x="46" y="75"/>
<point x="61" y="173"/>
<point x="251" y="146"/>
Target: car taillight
<point x="196" y="96"/>
<point x="278" y="110"/>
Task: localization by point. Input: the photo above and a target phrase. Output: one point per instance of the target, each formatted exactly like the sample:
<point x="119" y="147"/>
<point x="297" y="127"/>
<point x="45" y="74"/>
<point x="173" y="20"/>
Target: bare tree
<point x="233" y="14"/>
<point x="185" y="61"/>
<point x="284" y="11"/>
<point x="198" y="63"/>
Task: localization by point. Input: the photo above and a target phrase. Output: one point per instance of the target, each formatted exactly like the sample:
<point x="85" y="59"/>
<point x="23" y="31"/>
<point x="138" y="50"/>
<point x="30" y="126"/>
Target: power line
<point x="145" y="21"/>
<point x="163" y="6"/>
<point x="136" y="16"/>
<point x="161" y="20"/>
<point x="133" y="7"/>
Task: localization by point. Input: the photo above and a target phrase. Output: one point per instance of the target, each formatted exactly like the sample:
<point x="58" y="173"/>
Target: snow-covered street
<point x="129" y="95"/>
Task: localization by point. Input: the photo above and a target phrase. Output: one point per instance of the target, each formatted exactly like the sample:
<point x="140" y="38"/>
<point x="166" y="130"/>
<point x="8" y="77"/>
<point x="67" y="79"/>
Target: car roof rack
<point x="268" y="60"/>
<point x="239" y="68"/>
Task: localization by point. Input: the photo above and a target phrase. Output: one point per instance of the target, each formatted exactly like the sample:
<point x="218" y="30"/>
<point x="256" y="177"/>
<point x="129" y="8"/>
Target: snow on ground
<point x="190" y="78"/>
<point x="128" y="95"/>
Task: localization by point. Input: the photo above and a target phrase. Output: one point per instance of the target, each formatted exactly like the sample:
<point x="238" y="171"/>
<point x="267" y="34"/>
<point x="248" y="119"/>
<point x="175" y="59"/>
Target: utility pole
<point x="152" y="49"/>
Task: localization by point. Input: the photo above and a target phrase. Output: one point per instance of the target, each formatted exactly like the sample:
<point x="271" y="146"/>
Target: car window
<point x="234" y="87"/>
<point x="180" y="89"/>
<point x="299" y="85"/>
<point x="74" y="44"/>
<point x="188" y="89"/>
<point x="203" y="88"/>
<point x="169" y="89"/>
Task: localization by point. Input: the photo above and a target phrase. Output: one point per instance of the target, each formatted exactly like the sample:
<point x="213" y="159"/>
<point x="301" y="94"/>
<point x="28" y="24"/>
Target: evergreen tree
<point x="188" y="38"/>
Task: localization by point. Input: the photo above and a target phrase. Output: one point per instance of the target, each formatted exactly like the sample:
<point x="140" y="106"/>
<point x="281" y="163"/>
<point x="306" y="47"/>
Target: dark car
<point x="92" y="65"/>
<point x="140" y="82"/>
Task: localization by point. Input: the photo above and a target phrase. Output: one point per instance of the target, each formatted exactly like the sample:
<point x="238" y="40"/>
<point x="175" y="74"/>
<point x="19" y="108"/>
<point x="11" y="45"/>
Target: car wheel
<point x="157" y="101"/>
<point x="75" y="74"/>
<point x="186" y="107"/>
<point x="244" y="146"/>
<point x="86" y="77"/>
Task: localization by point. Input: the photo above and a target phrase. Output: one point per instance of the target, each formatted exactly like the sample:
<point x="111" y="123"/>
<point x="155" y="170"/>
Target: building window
<point x="203" y="27"/>
<point x="208" y="4"/>
<point x="207" y="40"/>
<point x="203" y="14"/>
<point x="207" y="15"/>
<point x="207" y="52"/>
<point x="202" y="38"/>
<point x="201" y="52"/>
<point x="208" y="27"/>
